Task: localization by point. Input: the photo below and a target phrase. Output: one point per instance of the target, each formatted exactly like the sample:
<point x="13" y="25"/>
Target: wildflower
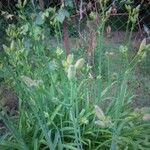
<point x="70" y="59"/>
<point x="71" y="72"/>
<point x="80" y="63"/>
<point x="146" y="117"/>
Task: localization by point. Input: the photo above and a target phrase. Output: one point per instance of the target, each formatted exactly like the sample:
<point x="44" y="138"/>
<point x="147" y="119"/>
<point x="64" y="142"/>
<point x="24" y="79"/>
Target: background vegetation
<point x="66" y="83"/>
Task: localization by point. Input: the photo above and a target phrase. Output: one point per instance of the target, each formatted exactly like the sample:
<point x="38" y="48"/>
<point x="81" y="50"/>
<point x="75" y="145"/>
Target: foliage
<point x="60" y="101"/>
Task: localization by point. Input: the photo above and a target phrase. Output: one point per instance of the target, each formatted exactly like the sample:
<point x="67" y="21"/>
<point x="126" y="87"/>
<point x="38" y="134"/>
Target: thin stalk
<point x="108" y="70"/>
<point x="121" y="95"/>
<point x="131" y="32"/>
<point x="100" y="54"/>
<point x="127" y="29"/>
<point x="74" y="113"/>
<point x="58" y="32"/>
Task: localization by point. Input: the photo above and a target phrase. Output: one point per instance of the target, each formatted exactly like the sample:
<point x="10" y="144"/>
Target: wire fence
<point x="78" y="23"/>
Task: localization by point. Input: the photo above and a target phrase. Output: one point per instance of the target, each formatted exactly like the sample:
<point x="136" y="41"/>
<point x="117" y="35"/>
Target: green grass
<point x="61" y="104"/>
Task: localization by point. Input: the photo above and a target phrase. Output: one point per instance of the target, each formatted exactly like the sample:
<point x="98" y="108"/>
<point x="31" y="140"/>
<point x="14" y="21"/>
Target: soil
<point x="8" y="100"/>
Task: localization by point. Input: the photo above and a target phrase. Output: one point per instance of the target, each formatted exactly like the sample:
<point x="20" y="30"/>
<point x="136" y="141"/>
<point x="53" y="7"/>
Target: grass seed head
<point x="80" y="63"/>
<point x="99" y="113"/>
<point x="71" y="72"/>
<point x="70" y="59"/>
<point x="12" y="45"/>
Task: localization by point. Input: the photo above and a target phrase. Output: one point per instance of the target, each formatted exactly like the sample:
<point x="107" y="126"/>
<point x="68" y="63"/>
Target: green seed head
<point x="71" y="72"/>
<point x="12" y="45"/>
<point x="80" y="63"/>
<point x="70" y="59"/>
<point x="99" y="113"/>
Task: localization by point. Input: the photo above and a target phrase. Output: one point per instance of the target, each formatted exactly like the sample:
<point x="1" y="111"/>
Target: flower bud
<point x="71" y="72"/>
<point x="80" y="63"/>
